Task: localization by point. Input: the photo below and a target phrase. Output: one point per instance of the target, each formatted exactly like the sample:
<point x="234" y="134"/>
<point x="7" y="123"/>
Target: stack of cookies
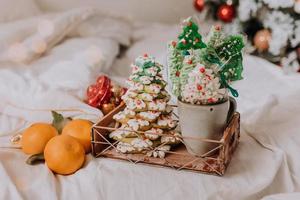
<point x="147" y="122"/>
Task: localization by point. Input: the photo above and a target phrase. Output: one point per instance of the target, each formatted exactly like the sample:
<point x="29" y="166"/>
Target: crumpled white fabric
<point x="54" y="73"/>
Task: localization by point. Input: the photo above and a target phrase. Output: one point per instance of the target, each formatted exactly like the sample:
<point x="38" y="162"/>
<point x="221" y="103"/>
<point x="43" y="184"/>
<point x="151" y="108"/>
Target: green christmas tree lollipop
<point x="190" y="37"/>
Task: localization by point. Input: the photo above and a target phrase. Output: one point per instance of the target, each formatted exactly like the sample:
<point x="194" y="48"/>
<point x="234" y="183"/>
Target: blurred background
<point x="167" y="11"/>
<point x="272" y="26"/>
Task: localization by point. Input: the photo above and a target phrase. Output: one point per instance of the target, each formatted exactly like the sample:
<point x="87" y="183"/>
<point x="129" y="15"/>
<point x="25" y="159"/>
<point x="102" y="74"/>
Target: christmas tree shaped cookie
<point x="190" y="37"/>
<point x="189" y="43"/>
<point x="146" y="122"/>
<point x="225" y="51"/>
<point x="222" y="55"/>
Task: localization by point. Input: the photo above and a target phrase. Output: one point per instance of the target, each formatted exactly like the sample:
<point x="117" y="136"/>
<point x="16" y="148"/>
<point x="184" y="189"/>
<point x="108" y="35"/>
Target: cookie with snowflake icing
<point x="172" y="137"/>
<point x="134" y="145"/>
<point x="159" y="152"/>
<point x="150" y="116"/>
<point x="153" y="88"/>
<point x="146" y="96"/>
<point x="148" y="113"/>
<point x="152" y="71"/>
<point x="153" y="133"/>
<point x="129" y="113"/>
<point x="151" y="97"/>
<point x="139" y="124"/>
<point x="123" y="132"/>
<point x="158" y="105"/>
<point x="145" y="80"/>
<point x="136" y="105"/>
<point x="123" y="116"/>
<point x="165" y="122"/>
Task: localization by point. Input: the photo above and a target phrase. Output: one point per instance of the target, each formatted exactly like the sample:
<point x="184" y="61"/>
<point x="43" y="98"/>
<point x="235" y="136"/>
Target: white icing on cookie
<point x="146" y="96"/>
<point x="153" y="133"/>
<point x="154" y="88"/>
<point x="125" y="147"/>
<point x="157" y="105"/>
<point x="133" y="104"/>
<point x="150" y="115"/>
<point x="171" y="137"/>
<point x="119" y="116"/>
<point x="140" y="143"/>
<point x="159" y="152"/>
<point x="119" y="134"/>
<point x="129" y="113"/>
<point x="166" y="120"/>
<point x="136" y="69"/>
<point x="131" y="94"/>
<point x="134" y="86"/>
<point x="152" y="71"/>
<point x="135" y="124"/>
<point x="145" y="80"/>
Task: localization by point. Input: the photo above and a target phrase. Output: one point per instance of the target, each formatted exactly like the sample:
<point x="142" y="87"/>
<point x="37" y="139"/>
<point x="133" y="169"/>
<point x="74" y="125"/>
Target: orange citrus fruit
<point x="80" y="129"/>
<point x="64" y="154"/>
<point x="35" y="137"/>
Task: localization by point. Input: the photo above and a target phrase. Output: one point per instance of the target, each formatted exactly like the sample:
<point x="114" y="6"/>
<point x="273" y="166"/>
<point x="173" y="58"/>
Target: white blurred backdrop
<point x="167" y="11"/>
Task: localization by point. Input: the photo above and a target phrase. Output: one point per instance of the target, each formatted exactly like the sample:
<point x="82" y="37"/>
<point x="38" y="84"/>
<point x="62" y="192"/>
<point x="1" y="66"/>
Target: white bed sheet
<point x="47" y="62"/>
<point x="264" y="164"/>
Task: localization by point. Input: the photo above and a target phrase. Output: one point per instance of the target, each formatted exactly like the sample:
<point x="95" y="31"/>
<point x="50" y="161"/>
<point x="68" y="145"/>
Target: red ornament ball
<point x="199" y="5"/>
<point x="100" y="92"/>
<point x="226" y="13"/>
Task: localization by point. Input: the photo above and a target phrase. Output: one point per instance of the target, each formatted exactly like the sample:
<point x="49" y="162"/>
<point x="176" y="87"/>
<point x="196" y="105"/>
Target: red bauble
<point x="226" y="13"/>
<point x="199" y="5"/>
<point x="99" y="93"/>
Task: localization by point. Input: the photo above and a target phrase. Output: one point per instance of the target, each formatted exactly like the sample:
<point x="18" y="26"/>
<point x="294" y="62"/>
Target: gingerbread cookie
<point x="165" y="122"/>
<point x="150" y="116"/>
<point x="153" y="133"/>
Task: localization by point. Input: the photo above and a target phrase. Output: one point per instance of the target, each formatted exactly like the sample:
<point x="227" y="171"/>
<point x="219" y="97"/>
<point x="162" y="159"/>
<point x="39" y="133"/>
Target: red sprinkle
<point x="177" y="73"/>
<point x="174" y="43"/>
<point x="202" y="70"/>
<point x="199" y="87"/>
<point x="210" y="100"/>
<point x="190" y="62"/>
<point x="145" y="55"/>
<point x="218" y="27"/>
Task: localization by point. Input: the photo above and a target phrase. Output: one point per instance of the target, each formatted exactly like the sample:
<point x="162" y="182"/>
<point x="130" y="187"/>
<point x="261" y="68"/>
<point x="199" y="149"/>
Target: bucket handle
<point x="232" y="109"/>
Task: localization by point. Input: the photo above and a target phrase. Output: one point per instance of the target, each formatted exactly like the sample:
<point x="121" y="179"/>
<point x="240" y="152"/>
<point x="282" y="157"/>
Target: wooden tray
<point x="178" y="158"/>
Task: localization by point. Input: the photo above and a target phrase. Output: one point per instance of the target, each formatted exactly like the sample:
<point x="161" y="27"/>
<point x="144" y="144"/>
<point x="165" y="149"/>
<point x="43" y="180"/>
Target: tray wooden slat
<point x="178" y="158"/>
